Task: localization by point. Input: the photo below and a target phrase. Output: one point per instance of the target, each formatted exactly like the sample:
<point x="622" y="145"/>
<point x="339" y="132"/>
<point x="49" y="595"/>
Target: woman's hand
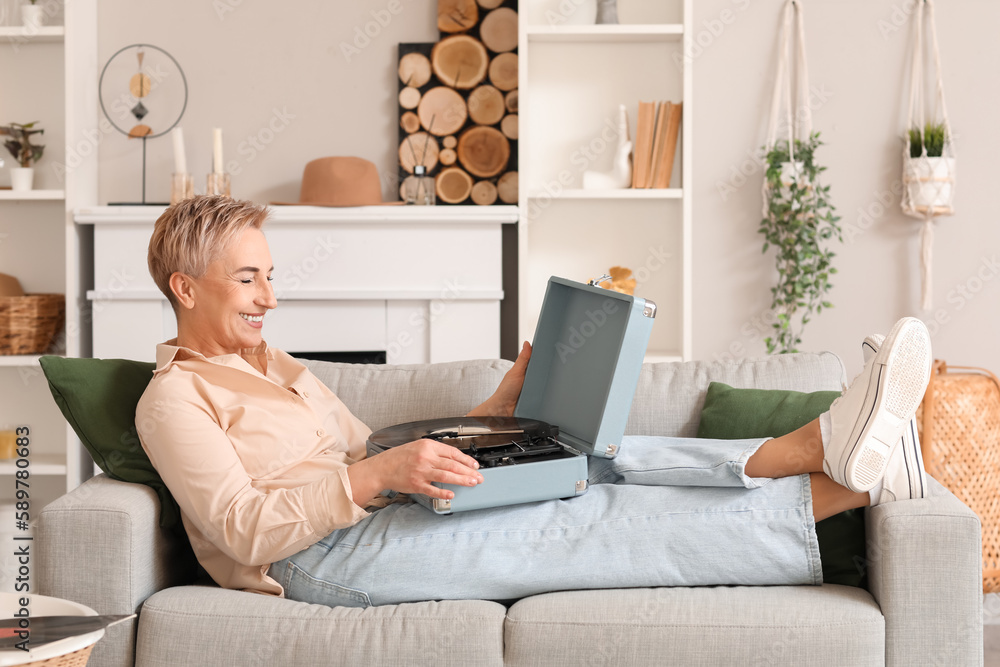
<point x="411" y="468"/>
<point x="504" y="399"/>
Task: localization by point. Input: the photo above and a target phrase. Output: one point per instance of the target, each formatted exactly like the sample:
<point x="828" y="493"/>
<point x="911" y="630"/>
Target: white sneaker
<point x="905" y="476"/>
<point x="868" y="419"/>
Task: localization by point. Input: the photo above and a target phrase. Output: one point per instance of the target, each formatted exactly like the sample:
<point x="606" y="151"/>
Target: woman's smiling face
<point x="231" y="299"/>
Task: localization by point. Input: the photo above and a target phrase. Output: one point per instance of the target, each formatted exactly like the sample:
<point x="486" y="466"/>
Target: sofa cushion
<point x="669" y="397"/>
<point x="731" y="413"/>
<point x="776" y="625"/>
<point x="98" y="399"/>
<point x="383" y="396"/>
<point x="203" y="625"/>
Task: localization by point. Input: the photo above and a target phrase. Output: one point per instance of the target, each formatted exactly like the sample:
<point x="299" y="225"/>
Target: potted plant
<point x="799" y="220"/>
<point x="928" y="173"/>
<point x="32" y="14"/>
<point x="20" y="146"/>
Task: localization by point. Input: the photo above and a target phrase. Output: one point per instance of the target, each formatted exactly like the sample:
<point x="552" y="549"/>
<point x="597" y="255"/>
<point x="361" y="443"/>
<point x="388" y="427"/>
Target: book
<point x="665" y="158"/>
<point x="643" y="147"/>
<point x="659" y="138"/>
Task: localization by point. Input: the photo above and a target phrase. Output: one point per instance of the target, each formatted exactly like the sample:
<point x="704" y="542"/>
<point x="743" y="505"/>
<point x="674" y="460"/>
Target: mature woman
<point x="277" y="496"/>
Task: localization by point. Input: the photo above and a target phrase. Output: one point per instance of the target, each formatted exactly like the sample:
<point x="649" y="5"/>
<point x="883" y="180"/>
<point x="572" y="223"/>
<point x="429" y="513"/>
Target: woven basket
<point x="29" y="324"/>
<point x="959" y="426"/>
<point x="74" y="659"/>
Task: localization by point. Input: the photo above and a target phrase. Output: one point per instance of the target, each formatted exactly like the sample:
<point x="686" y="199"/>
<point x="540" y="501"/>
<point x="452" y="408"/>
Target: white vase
<point x="33" y="15"/>
<point x="21" y="178"/>
<point x="930" y="182"/>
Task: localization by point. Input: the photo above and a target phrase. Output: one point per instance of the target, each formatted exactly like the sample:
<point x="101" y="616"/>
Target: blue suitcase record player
<point x="578" y="388"/>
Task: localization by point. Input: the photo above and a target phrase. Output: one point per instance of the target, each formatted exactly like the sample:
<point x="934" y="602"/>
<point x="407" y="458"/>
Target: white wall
<point x="244" y="63"/>
<point x="858" y="66"/>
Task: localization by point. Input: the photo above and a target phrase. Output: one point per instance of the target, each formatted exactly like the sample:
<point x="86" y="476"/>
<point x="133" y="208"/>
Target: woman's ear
<point x="183" y="288"/>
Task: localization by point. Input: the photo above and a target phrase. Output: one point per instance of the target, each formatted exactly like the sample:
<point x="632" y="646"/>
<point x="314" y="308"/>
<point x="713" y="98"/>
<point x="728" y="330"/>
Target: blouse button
<point x="319" y="432"/>
<point x="305" y="394"/>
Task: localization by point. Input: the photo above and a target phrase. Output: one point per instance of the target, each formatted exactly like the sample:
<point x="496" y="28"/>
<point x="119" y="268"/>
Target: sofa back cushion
<point x="668" y="399"/>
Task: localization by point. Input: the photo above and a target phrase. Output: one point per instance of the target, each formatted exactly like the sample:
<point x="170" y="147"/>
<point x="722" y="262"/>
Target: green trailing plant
<point x="19" y="144"/>
<point x="933" y="140"/>
<point x="800" y="221"/>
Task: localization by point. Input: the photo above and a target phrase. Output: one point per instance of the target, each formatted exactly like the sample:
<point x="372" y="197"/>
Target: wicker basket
<point x="75" y="659"/>
<point x="29" y="324"/>
<point x="959" y="425"/>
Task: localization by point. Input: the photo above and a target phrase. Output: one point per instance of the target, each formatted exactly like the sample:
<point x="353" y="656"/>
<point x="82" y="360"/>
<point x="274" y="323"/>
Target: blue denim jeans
<point x="664" y="512"/>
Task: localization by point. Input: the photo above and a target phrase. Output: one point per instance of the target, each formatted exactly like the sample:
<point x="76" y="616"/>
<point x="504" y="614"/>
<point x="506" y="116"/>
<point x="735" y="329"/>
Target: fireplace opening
<point x="369" y="357"/>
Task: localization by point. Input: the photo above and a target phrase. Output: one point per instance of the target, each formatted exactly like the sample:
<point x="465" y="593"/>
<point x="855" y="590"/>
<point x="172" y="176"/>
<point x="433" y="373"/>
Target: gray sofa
<point x="100" y="545"/>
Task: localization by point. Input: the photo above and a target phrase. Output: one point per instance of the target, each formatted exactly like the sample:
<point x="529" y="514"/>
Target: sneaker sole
<point x="898" y="389"/>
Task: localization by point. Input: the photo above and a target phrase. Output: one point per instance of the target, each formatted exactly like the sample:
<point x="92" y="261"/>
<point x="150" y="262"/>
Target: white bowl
<point x="42" y="605"/>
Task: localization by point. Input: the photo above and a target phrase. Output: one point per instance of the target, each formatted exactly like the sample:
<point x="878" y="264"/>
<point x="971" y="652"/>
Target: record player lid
<point x="585" y="362"/>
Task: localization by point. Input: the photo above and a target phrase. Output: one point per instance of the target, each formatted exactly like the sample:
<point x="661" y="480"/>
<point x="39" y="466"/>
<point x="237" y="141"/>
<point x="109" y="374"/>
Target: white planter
<point x="33" y="15"/>
<point x="930" y="182"/>
<point x="21" y="178"/>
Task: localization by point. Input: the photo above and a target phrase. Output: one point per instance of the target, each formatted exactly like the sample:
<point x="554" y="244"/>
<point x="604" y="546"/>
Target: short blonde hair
<point x="195" y="232"/>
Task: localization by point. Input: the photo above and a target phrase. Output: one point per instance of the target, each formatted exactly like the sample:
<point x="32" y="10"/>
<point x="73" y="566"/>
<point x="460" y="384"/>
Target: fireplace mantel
<point x="423" y="284"/>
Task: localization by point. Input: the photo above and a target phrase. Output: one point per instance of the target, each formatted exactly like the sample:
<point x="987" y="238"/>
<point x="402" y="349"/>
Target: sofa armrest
<point x="101" y="545"/>
<point x="925" y="570"/>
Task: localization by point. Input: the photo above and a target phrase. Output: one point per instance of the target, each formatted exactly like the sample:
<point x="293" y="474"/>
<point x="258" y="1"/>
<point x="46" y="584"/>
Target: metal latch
<point x="650" y="309"/>
<point x="611" y="451"/>
<point x="581" y="486"/>
<point x="596" y="282"/>
<point x="442" y="505"/>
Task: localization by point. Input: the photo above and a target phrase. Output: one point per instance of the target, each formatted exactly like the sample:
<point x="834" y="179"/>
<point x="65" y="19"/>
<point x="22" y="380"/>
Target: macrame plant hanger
<point x="798" y="121"/>
<point x="928" y="182"/>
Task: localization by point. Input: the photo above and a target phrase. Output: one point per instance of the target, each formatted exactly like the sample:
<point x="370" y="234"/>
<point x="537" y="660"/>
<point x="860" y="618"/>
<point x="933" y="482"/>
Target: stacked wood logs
<point x="458" y="103"/>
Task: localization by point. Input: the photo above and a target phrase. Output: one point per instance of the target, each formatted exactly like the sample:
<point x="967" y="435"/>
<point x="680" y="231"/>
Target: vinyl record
<point x="484" y="432"/>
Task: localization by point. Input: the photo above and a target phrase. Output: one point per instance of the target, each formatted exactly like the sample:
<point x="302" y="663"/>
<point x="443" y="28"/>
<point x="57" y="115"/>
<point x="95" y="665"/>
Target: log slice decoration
<point x="460" y="61"/>
<point x="414" y="70"/>
<point x="409" y="97"/>
<point x="507" y="188"/>
<point x="484" y="193"/>
<point x="503" y="71"/>
<point x="418" y="148"/>
<point x="457" y="15"/>
<point x="447" y="157"/>
<point x="498" y="31"/>
<point x="483" y="151"/>
<point x="453" y="185"/>
<point x="442" y="111"/>
<point x="409" y="122"/>
<point x="450" y="141"/>
<point x="509" y="126"/>
<point x="486" y="105"/>
<point x="510" y="99"/>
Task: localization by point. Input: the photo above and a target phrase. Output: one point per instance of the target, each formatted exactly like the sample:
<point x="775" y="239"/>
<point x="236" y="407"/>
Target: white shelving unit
<point x="572" y="77"/>
<point x="48" y="75"/>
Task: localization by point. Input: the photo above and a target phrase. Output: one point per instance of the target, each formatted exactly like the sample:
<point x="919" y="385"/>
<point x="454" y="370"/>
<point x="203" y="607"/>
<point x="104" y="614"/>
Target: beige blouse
<point x="255" y="449"/>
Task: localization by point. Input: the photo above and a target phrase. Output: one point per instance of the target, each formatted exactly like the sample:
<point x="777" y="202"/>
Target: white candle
<point x="180" y="161"/>
<point x="217" y="150"/>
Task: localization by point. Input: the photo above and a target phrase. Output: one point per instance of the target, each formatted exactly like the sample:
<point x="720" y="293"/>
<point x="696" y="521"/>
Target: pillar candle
<point x="217" y="150"/>
<point x="180" y="161"/>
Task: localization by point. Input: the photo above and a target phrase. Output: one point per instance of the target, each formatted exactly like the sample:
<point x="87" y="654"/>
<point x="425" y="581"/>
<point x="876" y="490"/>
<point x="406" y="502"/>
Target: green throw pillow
<point x="731" y="413"/>
<point x="98" y="399"/>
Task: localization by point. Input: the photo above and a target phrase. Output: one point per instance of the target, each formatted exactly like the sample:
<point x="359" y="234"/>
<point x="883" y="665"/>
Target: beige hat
<point x="340" y="181"/>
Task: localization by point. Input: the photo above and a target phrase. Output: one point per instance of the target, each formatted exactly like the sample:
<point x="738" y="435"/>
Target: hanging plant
<point x="799" y="220"/>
